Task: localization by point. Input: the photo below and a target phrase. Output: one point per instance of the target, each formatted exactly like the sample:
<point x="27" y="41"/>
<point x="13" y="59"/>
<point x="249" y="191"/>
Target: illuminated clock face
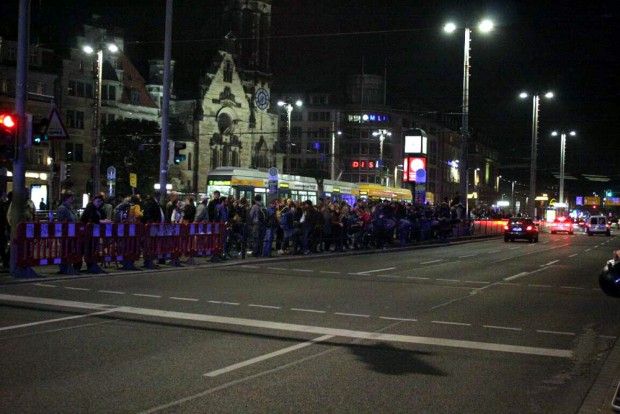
<point x="262" y="99"/>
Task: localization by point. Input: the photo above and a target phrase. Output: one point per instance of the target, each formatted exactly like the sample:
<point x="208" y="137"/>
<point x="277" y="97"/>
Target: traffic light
<point x="178" y="157"/>
<point x="39" y="136"/>
<point x="8" y="136"/>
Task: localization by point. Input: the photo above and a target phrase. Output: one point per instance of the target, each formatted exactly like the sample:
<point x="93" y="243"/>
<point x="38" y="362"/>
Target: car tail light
<point x="529" y="228"/>
<point x="506" y="227"/>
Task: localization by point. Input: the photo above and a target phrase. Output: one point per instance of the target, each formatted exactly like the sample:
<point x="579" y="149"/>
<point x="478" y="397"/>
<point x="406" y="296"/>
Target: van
<point x="598" y="225"/>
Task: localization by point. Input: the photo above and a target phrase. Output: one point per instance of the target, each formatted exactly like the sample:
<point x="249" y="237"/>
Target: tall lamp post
<point x="531" y="205"/>
<point x="382" y="133"/>
<point x="485" y="26"/>
<point x="562" y="159"/>
<point x="111" y="47"/>
<point x="289" y="109"/>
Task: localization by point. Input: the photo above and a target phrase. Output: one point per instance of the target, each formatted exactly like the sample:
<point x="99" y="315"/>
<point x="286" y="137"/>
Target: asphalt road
<point x="482" y="327"/>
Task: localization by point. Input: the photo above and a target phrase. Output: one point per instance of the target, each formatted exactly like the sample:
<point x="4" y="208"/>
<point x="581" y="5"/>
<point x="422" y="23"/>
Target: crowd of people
<point x="277" y="226"/>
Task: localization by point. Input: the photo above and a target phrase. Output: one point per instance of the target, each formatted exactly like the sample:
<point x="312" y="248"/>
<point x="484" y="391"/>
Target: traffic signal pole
<point x="18" y="202"/>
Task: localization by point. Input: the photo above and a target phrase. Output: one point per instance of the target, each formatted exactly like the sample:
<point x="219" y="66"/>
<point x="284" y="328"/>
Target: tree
<point x="132" y="146"/>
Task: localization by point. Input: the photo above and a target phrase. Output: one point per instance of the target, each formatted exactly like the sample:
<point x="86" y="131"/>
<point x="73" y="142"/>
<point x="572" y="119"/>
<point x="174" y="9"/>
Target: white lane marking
<point x="419" y="278"/>
<point x="389" y="318"/>
<point x="45" y="285"/>
<point x="555" y="332"/>
<point x="432" y="261"/>
<point x="573" y="255"/>
<point x="451" y="323"/>
<point x="186" y="299"/>
<point x="264" y="306"/>
<point x="587" y="250"/>
<point x="113" y="292"/>
<point x="550" y="263"/>
<point x="448" y="280"/>
<point x="277" y="268"/>
<point x="267" y="356"/>
<point x="68" y="318"/>
<point x="518" y="275"/>
<point x="357" y="315"/>
<point x="302" y="270"/>
<point x="307" y="310"/>
<point x="288" y="327"/>
<point x="330" y="272"/>
<point x="506" y="328"/>
<point x="76" y="288"/>
<point x="476" y="281"/>
<point x="251" y="267"/>
<point x="572" y="287"/>
<point x="377" y="270"/>
<point x="218" y="302"/>
<point x="145" y="295"/>
<point x="541" y="286"/>
<point x="468" y="255"/>
<point x="514" y="248"/>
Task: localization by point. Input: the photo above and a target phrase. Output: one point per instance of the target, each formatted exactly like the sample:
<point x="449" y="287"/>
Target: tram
<point x="248" y="182"/>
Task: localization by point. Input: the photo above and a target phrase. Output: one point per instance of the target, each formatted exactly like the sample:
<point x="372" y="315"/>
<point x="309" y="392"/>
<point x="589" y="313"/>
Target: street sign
<point x="111" y="173"/>
<point x="55" y="128"/>
<point x="133" y="180"/>
<point x="273" y="173"/>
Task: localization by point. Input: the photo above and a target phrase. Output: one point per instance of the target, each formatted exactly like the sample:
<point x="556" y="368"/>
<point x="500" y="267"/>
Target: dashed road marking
<point x="307" y="310"/>
<point x="468" y="255"/>
<point x="506" y="328"/>
<point x="448" y="280"/>
<point x="573" y="255"/>
<point x="377" y="270"/>
<point x="144" y="295"/>
<point x="186" y="299"/>
<point x="76" y="288"/>
<point x="357" y="315"/>
<point x="451" y="323"/>
<point x="45" y="285"/>
<point x="432" y="261"/>
<point x="112" y="292"/>
<point x="264" y="306"/>
<point x="390" y="318"/>
<point x="555" y="332"/>
<point x="217" y="302"/>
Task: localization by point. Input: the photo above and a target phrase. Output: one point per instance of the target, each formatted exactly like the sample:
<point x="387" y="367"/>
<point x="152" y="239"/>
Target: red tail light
<point x="506" y="227"/>
<point x="529" y="228"/>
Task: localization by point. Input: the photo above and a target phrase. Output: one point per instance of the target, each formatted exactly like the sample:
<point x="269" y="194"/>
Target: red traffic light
<point x="7" y="120"/>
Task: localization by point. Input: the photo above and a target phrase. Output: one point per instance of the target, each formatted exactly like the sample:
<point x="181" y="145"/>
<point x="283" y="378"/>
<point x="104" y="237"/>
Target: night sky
<point x="537" y="46"/>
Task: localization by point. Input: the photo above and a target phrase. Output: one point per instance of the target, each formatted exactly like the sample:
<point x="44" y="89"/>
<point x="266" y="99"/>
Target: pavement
<point x="603" y="395"/>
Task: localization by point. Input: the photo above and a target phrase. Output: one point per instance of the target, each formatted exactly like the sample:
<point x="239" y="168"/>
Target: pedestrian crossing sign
<point x="55" y="128"/>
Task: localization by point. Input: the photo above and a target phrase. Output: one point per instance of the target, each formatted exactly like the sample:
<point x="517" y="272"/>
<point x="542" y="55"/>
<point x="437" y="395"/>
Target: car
<point x="521" y="228"/>
<point x="561" y="225"/>
<point x="598" y="225"/>
<point x="613" y="223"/>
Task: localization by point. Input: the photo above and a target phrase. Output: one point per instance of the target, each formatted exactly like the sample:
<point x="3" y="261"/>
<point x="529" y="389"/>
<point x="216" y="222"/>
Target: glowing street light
<point x="289" y="109"/>
<point x="484" y="26"/>
<point x="534" y="150"/>
<point x="562" y="159"/>
<point x="88" y="49"/>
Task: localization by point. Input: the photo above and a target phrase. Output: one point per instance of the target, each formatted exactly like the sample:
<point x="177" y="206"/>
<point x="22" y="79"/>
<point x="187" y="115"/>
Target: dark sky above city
<point x="564" y="46"/>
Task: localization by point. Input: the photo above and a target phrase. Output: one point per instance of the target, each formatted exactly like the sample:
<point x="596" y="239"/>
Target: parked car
<point x="598" y="225"/>
<point x="521" y="228"/>
<point x="562" y="225"/>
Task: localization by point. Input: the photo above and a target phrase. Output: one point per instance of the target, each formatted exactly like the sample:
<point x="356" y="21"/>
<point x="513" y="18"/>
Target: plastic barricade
<point x="163" y="241"/>
<point x="41" y="244"/>
<point x="112" y="242"/>
<point x="204" y="239"/>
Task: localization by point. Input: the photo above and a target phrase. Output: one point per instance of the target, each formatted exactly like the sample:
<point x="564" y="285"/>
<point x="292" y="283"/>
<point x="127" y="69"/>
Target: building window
<point x="38" y="156"/>
<point x="319" y="116"/>
<point x="228" y="72"/>
<point x="74" y="152"/>
<point x="135" y="97"/>
<point x="189" y="161"/>
<point x="75" y="119"/>
<point x="108" y="92"/>
<point x="80" y="89"/>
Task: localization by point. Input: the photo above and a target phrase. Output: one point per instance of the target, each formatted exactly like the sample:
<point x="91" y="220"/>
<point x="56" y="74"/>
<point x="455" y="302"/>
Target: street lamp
<point x="289" y="109"/>
<point x="484" y="26"/>
<point x="562" y="159"/>
<point x="382" y="133"/>
<point x="535" y="106"/>
<point x="88" y="49"/>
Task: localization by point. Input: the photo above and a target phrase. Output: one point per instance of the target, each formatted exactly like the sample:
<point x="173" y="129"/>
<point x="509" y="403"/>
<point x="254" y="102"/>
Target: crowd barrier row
<point x="41" y="244"/>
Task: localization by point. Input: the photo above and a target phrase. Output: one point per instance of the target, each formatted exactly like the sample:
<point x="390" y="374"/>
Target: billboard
<point x="416" y="142"/>
<point x="414" y="170"/>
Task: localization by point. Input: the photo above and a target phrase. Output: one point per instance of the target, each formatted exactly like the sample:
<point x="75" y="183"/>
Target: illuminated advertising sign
<point x="416" y="142"/>
<point x="369" y="118"/>
<point x="364" y="165"/>
<point x="591" y="201"/>
<point x="414" y="169"/>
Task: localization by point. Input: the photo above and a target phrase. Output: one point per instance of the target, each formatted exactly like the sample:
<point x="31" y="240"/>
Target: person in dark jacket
<point x="93" y="213"/>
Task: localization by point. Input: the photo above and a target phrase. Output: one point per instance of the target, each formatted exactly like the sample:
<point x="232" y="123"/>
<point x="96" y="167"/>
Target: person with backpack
<point x="121" y="211"/>
<point x="135" y="210"/>
<point x="258" y="219"/>
<point x="290" y="232"/>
